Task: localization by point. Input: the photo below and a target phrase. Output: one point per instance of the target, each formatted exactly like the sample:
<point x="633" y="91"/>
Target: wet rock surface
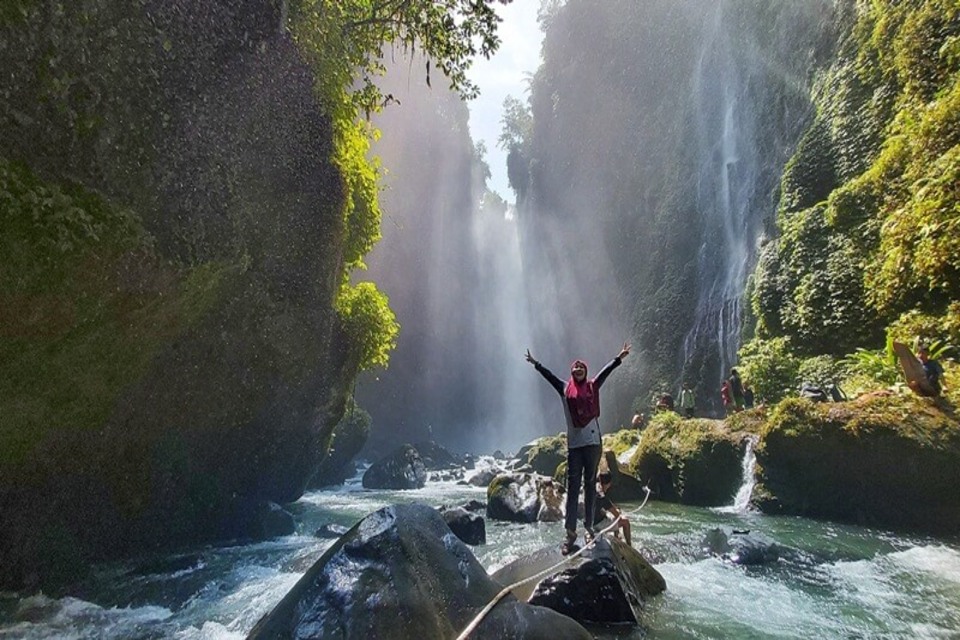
<point x="468" y="526"/>
<point x="403" y="469"/>
<point x="609" y="584"/>
<point x="400" y="573"/>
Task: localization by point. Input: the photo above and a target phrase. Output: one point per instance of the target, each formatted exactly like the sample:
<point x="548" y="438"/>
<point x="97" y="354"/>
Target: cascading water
<point x="502" y="319"/>
<point x="741" y="501"/>
<point x="726" y="198"/>
<point x="450" y="262"/>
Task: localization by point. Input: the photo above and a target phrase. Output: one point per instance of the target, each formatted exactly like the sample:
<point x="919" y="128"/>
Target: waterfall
<point x="742" y="499"/>
<point x="503" y="328"/>
<point x="727" y="186"/>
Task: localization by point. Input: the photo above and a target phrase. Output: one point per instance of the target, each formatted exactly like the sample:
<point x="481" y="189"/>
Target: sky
<point x="504" y="74"/>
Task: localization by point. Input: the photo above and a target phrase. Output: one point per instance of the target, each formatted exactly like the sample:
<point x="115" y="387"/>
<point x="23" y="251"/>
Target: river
<point x="833" y="581"/>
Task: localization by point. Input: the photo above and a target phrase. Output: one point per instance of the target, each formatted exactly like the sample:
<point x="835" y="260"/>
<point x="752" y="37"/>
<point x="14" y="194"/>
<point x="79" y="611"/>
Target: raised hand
<point x="623" y="353"/>
<point x="530" y="358"/>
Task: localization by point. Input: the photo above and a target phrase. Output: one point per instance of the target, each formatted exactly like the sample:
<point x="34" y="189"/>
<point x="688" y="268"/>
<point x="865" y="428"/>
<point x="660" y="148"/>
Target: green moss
<point x="691" y="461"/>
<point x="869" y="213"/>
<point x="86" y="306"/>
<point x="622" y="440"/>
<point x="887" y="458"/>
<point x="546" y="453"/>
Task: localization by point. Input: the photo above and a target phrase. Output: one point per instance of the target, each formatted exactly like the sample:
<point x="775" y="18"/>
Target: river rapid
<point x="833" y="581"/>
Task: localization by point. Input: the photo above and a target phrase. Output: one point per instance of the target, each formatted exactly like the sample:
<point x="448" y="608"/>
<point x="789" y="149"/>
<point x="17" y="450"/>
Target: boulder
<point x="880" y="460"/>
<point x="436" y="457"/>
<point x="623" y="486"/>
<point x="482" y="478"/>
<point x="468" y="526"/>
<point x="691" y="461"/>
<point x="551" y="501"/>
<point x="474" y="505"/>
<point x="741" y="547"/>
<point x="608" y="584"/>
<point x="514" y="497"/>
<point x="545" y="454"/>
<point x="398" y="574"/>
<point x="331" y="531"/>
<point x="403" y="469"/>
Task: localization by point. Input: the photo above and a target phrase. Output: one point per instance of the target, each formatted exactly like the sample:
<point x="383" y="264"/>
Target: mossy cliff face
<point x="173" y="244"/>
<point x="885" y="460"/>
<point x="694" y="462"/>
<point x="869" y="207"/>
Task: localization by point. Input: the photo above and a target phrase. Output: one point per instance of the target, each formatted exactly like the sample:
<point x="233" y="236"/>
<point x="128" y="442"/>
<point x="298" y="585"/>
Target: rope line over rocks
<point x="470" y="628"/>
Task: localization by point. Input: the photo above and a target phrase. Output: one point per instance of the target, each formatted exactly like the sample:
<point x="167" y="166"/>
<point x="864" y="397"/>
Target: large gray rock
<point x="607" y="585"/>
<point x="469" y="527"/>
<point x="436" y="457"/>
<point x="624" y="487"/>
<point x="403" y="469"/>
<point x="398" y="574"/>
<point x="482" y="478"/>
<point x="742" y="547"/>
<point x="513" y="497"/>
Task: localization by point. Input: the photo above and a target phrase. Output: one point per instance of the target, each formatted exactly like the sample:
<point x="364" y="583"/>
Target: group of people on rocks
<point x="580" y="397"/>
<point x="736" y="395"/>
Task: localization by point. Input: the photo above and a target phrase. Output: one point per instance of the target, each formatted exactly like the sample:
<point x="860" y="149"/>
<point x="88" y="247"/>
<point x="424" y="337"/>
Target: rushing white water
<point x="831" y="581"/>
<point x="741" y="502"/>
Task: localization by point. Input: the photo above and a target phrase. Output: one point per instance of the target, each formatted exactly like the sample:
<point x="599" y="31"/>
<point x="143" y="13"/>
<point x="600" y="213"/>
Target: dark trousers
<point x="582" y="464"/>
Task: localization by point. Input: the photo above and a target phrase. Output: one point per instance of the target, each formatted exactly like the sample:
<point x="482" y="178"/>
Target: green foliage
<point x="362" y="212"/>
<point x="881" y="366"/>
<point x="870" y="208"/>
<point x="770" y="367"/>
<point x="821" y="371"/>
<point x="915" y="325"/>
<point x="517" y="124"/>
<point x="85" y="306"/>
<point x="346" y="40"/>
<point x="366" y="318"/>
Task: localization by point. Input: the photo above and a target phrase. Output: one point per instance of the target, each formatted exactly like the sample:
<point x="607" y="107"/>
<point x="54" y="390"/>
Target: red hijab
<point x="582" y="398"/>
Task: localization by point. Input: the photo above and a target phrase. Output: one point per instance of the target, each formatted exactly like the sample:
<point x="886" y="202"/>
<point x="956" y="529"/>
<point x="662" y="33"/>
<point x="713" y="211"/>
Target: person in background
<point x="639" y="421"/>
<point x="736" y="390"/>
<point x="581" y="408"/>
<point x="688" y="402"/>
<point x="933" y="369"/>
<point x="607" y="509"/>
<point x="665" y="403"/>
<point x="747" y="396"/>
<point x="726" y="397"/>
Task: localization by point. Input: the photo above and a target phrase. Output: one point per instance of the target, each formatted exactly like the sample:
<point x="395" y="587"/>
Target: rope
<point x="548" y="571"/>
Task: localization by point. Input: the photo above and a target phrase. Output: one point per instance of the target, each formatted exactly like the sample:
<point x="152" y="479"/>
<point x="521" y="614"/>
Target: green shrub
<point x="880" y="366"/>
<point x="770" y="367"/>
<point x="821" y="371"/>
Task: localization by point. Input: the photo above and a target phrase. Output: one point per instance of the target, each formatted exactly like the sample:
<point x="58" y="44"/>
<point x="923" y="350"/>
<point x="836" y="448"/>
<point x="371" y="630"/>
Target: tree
<point x="354" y="35"/>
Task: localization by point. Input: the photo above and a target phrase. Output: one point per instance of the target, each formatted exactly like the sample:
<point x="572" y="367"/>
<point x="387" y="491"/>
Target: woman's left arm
<point x="613" y="364"/>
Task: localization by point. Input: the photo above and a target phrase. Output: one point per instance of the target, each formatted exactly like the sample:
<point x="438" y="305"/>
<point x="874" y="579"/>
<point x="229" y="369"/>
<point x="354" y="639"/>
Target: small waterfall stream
<point x="742" y="500"/>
